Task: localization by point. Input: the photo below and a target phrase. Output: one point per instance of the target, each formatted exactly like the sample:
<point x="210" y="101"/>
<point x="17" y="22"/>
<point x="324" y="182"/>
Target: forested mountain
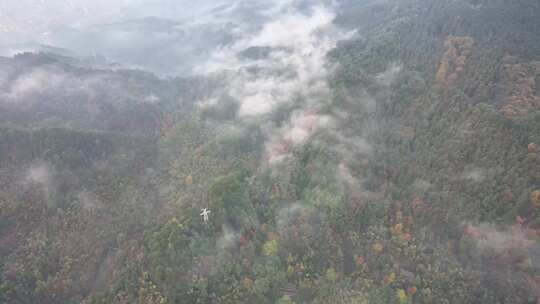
<point x="374" y="151"/>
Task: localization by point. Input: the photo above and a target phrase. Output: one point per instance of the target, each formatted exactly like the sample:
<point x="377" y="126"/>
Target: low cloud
<point x="387" y="77"/>
<point x="88" y="200"/>
<point x="295" y="66"/>
<point x="39" y="174"/>
<point x="289" y="213"/>
<point x="37" y="81"/>
<point x="474" y="174"/>
<point x="301" y="126"/>
<point x="495" y="241"/>
<point x="228" y="239"/>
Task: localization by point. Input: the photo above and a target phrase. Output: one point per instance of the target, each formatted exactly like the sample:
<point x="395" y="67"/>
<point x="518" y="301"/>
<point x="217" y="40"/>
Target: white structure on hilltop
<point x="204" y="213"/>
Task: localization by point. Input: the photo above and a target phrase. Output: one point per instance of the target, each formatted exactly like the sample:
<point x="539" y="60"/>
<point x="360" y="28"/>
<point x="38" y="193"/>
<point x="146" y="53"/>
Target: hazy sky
<point x="22" y="20"/>
<point x="185" y="35"/>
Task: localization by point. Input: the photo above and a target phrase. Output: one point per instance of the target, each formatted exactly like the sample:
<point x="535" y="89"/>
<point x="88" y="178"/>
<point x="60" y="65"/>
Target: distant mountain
<point x="49" y="90"/>
<point x="10" y="50"/>
<point x="370" y="151"/>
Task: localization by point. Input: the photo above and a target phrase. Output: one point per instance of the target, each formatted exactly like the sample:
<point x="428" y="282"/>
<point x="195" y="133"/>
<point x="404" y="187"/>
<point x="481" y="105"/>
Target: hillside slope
<point x="409" y="174"/>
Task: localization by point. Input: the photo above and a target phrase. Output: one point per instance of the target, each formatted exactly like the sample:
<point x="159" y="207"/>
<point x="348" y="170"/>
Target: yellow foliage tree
<point x="402" y="296"/>
<point x="270" y="248"/>
<point x="535" y="199"/>
<point x="331" y="275"/>
<point x="188" y="180"/>
<point x="378" y="247"/>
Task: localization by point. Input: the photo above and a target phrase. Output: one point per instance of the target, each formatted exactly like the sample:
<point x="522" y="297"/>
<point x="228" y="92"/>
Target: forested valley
<point x="355" y="151"/>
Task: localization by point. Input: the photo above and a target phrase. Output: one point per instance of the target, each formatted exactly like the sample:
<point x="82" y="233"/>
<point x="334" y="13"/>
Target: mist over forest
<point x="288" y="151"/>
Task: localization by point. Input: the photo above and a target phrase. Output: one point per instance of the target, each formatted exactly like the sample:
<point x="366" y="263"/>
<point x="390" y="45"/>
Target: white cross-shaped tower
<point x="204" y="213"/>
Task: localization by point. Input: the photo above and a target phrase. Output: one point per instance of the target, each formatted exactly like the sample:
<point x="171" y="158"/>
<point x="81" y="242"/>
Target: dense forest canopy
<point x="348" y="151"/>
